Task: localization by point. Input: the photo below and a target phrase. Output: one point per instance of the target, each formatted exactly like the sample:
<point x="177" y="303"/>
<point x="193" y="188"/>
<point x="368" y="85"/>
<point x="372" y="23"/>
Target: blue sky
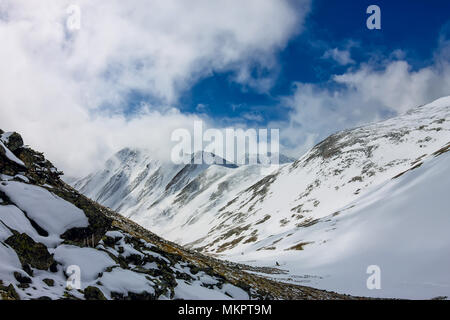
<point x="412" y="26"/>
<point x="135" y="71"/>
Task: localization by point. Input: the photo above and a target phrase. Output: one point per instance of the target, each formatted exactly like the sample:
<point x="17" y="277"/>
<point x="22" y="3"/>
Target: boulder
<point x="29" y="252"/>
<point x="15" y="141"/>
<point x="22" y="278"/>
<point x="93" y="293"/>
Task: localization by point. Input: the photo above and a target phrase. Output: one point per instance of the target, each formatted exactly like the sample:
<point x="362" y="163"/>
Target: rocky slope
<point x="52" y="238"/>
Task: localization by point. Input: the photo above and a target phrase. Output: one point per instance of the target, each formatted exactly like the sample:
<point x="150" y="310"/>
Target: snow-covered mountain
<point x="301" y="216"/>
<point x="154" y="193"/>
<point x="336" y="172"/>
<point x="400" y="226"/>
<point x="57" y="244"/>
<point x="290" y="215"/>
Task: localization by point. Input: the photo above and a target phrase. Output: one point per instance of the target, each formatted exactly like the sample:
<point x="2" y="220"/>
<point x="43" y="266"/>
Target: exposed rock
<point x="140" y="296"/>
<point x="93" y="293"/>
<point x="8" y="292"/>
<point x="21" y="278"/>
<point x="49" y="282"/>
<point x="29" y="252"/>
<point x="99" y="223"/>
<point x="14" y="142"/>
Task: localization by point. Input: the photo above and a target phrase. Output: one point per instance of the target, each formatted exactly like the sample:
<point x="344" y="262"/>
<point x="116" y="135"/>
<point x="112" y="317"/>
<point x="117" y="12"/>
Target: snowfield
<point x="45" y="208"/>
<point x="401" y="226"/>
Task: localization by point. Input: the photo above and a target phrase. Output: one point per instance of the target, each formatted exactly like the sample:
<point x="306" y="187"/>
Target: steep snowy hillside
<point x="401" y="226"/>
<point x="128" y="178"/>
<point x="53" y="239"/>
<point x="336" y="172"/>
<point x="166" y="198"/>
<point x="302" y="217"/>
<point x="374" y="195"/>
<point x="230" y="211"/>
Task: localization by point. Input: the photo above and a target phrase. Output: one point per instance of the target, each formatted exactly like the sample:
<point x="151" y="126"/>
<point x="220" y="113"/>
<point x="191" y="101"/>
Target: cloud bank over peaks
<point x="62" y="87"/>
<point x="366" y="93"/>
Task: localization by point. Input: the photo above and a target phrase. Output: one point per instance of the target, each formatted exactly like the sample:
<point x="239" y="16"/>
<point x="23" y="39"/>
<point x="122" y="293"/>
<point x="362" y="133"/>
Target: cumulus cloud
<point x="365" y="94"/>
<point x="342" y="57"/>
<point x="66" y="91"/>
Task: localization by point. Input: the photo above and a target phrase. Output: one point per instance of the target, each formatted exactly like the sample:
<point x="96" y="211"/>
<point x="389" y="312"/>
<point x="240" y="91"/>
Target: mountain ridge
<point x="265" y="215"/>
<point x="47" y="229"/>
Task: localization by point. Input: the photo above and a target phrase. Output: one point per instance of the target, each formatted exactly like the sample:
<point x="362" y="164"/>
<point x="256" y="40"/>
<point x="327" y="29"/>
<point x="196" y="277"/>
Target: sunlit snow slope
<point x="402" y="226"/>
<point x="291" y="216"/>
<point x="179" y="201"/>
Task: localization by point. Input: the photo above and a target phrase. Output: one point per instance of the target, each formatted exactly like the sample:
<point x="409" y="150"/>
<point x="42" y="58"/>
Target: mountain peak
<point x="245" y="213"/>
<point x="50" y="234"/>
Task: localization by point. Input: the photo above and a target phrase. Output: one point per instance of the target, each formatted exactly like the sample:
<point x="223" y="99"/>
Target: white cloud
<point x="342" y="57"/>
<point x="366" y="94"/>
<point x="64" y="91"/>
<point x="252" y="116"/>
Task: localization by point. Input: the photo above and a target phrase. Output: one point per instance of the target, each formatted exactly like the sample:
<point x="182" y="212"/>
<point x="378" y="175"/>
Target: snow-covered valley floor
<point x="401" y="226"/>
